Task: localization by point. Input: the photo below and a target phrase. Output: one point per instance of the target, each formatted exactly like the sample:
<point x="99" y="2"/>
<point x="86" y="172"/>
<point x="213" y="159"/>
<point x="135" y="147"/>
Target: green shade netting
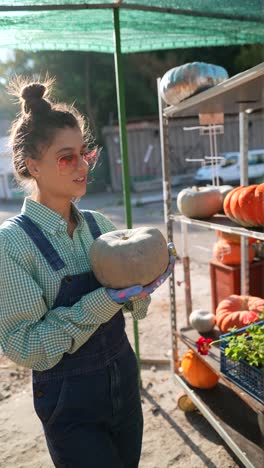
<point x="145" y="24"/>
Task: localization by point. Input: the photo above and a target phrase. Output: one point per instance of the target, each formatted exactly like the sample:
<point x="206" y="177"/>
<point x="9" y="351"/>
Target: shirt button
<point x="62" y="222"/>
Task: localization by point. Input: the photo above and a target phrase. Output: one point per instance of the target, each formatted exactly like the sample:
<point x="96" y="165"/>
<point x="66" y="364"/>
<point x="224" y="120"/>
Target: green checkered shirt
<point x="31" y="333"/>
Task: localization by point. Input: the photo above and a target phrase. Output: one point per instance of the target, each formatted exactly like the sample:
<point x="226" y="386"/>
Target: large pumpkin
<point x="244" y="205"/>
<point x="181" y="82"/>
<point x="233" y="311"/>
<point x="199" y="202"/>
<point x="229" y="253"/>
<point x="196" y="372"/>
<point x="128" y="257"/>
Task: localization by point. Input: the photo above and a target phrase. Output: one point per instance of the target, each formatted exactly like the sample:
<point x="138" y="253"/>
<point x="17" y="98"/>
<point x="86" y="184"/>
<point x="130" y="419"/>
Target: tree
<point x="88" y="78"/>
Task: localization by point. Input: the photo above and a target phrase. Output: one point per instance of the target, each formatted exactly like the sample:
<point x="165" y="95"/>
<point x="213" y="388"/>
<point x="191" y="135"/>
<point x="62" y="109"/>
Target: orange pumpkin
<point x="233" y="311"/>
<point x="244" y="205"/>
<point x="229" y="253"/>
<point x="235" y="238"/>
<point x="227" y="203"/>
<point x="196" y="372"/>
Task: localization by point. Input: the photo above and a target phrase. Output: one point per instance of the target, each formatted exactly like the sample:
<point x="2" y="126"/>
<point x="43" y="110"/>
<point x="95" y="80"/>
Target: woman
<point x="55" y="317"/>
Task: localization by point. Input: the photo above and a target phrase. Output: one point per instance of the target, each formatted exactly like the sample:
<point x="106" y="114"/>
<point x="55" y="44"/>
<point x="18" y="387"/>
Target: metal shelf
<point x="221" y="223"/>
<point x="240" y="94"/>
<point x="239" y="430"/>
<point x="189" y="336"/>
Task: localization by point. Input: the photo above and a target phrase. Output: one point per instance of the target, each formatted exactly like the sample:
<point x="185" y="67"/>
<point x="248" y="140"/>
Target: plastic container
<point x="248" y="378"/>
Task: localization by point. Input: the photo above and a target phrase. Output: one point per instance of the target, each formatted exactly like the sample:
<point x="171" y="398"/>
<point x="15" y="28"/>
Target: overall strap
<point x="39" y="239"/>
<point x="91" y="221"/>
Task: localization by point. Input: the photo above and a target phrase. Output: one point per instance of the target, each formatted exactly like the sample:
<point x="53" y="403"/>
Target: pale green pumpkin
<point x="199" y="202"/>
<point x="128" y="257"/>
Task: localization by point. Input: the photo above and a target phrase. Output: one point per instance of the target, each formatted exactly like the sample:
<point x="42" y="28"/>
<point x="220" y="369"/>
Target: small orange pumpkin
<point x="196" y="372"/>
<point x="233" y="311"/>
<point x="229" y="253"/>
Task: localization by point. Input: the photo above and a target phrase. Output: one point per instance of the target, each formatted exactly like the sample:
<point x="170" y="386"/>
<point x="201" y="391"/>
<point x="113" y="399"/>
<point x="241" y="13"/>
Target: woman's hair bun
<point x="32" y="94"/>
<point x="33" y="91"/>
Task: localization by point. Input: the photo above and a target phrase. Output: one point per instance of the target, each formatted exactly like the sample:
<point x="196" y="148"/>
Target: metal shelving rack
<point x="227" y="408"/>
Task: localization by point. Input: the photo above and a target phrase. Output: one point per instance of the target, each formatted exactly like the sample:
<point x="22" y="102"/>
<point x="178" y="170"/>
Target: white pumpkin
<point x="127" y="257"/>
<point x="199" y="202"/>
<point x="202" y="320"/>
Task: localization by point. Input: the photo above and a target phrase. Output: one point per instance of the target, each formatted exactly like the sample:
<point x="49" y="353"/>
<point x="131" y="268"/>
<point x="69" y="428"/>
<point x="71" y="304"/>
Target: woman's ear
<point x="32" y="166"/>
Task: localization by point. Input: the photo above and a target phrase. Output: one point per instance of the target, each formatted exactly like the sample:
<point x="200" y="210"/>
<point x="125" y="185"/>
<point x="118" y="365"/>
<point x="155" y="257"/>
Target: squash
<point x="196" y="371"/>
<point x="127" y="257"/>
<point x="191" y="78"/>
<point x="229" y="253"/>
<point x="185" y="404"/>
<point x="244" y="205"/>
<point x="202" y="320"/>
<point x="199" y="202"/>
<point x="233" y="311"/>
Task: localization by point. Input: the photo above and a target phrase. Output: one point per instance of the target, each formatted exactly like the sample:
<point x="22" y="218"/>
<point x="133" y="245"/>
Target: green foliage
<point x="248" y="345"/>
<point x="88" y="78"/>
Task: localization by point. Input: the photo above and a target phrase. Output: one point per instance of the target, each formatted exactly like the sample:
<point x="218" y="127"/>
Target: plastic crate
<point x="248" y="378"/>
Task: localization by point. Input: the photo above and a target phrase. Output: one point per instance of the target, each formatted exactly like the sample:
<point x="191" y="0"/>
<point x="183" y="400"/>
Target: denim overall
<point x="88" y="403"/>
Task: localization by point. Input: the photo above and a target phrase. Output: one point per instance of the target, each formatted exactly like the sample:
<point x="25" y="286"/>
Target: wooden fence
<point x="144" y="148"/>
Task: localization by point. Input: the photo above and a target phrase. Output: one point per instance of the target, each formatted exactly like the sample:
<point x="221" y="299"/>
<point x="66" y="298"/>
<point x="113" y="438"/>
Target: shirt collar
<point x="47" y="219"/>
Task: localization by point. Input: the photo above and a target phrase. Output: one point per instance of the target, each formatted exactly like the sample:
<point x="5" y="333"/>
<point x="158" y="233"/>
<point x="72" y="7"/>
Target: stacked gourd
<point x="245" y="206"/>
<point x="195" y="371"/>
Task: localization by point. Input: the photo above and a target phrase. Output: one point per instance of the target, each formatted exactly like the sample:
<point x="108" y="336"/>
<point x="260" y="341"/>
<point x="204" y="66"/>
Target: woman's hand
<point x="122" y="296"/>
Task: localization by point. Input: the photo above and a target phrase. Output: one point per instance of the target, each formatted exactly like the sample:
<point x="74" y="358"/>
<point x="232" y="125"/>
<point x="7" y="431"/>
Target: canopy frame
<point x="119" y="5"/>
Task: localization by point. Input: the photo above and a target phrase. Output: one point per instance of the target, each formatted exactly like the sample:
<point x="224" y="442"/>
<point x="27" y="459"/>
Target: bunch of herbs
<point x="248" y="345"/>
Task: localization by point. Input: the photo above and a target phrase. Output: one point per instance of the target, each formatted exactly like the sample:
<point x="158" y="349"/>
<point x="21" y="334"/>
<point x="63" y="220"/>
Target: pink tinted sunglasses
<point x="68" y="164"/>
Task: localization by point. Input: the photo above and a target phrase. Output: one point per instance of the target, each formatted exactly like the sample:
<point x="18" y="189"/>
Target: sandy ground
<point x="172" y="438"/>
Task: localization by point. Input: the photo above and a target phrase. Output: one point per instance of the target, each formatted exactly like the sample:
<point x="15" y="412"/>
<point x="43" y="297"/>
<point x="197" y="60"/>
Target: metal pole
<point x="123" y="142"/>
<point x="216" y="155"/>
<point x="243" y="143"/>
<point x="186" y="270"/>
<point x="211" y="153"/>
<point x="122" y="118"/>
<point x="167" y="204"/>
